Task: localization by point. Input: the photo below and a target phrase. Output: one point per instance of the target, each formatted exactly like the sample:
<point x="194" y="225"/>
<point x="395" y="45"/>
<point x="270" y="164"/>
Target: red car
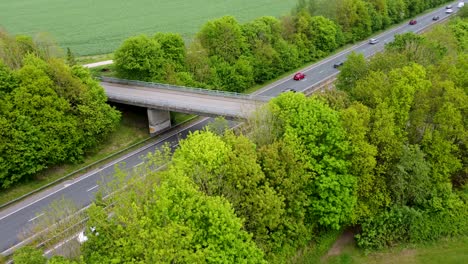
<point x="413" y="22"/>
<point x="299" y="76"/>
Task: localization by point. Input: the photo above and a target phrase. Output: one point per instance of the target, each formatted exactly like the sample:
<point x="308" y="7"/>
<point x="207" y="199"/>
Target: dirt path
<point x="345" y="239"/>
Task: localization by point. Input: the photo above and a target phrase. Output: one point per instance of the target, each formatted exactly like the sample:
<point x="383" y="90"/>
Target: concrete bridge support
<point x="158" y="120"/>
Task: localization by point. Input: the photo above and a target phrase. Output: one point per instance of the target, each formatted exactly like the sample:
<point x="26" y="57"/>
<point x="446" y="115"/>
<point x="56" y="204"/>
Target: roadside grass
<point x="178" y="118"/>
<point x="447" y="250"/>
<point x="91" y="27"/>
<point x="313" y="253"/>
<point x="132" y="129"/>
<point x="105" y="71"/>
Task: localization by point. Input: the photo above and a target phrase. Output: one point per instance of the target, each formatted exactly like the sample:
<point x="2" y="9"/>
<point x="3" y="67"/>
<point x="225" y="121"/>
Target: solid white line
<point x="105" y="167"/>
<point x="326" y="60"/>
<point x="139" y="164"/>
<point x="61" y="244"/>
<point x="92" y="188"/>
<point x="34" y="218"/>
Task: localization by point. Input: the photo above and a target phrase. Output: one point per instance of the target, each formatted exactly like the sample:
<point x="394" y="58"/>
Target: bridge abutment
<point x="158" y="120"/>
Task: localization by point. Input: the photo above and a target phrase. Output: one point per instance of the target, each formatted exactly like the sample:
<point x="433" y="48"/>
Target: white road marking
<point x="92" y="173"/>
<point x="92" y="188"/>
<point x="139" y="164"/>
<point x="34" y="218"/>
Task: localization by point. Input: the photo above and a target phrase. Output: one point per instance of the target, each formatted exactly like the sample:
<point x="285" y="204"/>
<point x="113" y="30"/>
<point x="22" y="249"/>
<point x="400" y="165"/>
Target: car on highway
<point x="449" y="11"/>
<point x="435" y="18"/>
<point x="338" y="64"/>
<point x="289" y="90"/>
<point x="373" y="41"/>
<point x="413" y="22"/>
<point x="448" y="7"/>
<point x="299" y="76"/>
<point x="461" y="4"/>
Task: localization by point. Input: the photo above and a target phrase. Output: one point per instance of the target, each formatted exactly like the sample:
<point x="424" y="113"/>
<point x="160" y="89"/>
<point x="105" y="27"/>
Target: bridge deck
<point x="180" y="101"/>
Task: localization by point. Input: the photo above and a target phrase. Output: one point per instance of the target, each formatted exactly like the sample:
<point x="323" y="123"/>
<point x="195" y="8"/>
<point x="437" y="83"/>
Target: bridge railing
<point x="186" y="89"/>
<point x="162" y="104"/>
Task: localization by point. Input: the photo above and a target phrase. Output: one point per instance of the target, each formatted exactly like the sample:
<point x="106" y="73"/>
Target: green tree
<point x="316" y="131"/>
<point x="173" y="48"/>
<point x="354" y="69"/>
<point x="228" y="167"/>
<point x="70" y="58"/>
<point x="198" y="63"/>
<point x="356" y="120"/>
<point x="410" y="181"/>
<point x="29" y="255"/>
<point x="8" y="81"/>
<point x="417" y="48"/>
<point x="165" y="219"/>
<point x="286" y="172"/>
<point x="140" y="58"/>
<point x="223" y="37"/>
<point x="354" y="18"/>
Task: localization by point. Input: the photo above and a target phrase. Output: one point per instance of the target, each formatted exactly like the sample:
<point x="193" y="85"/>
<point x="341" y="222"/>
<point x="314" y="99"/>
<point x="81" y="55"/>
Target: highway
<point x="17" y="217"/>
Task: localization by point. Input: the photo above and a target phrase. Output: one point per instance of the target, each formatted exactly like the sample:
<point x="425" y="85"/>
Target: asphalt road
<point x="16" y="218"/>
<point x="324" y="69"/>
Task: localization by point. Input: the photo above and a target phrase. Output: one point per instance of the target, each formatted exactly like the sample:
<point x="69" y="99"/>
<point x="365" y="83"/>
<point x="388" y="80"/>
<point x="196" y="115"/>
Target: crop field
<point x="90" y="27"/>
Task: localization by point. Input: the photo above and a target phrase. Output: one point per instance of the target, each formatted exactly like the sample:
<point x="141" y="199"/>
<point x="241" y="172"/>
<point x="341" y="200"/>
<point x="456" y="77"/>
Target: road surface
<point x="15" y="218"/>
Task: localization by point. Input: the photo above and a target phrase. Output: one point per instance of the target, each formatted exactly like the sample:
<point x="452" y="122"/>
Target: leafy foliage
<point x="49" y="114"/>
<point x="165" y="219"/>
<point x="227" y="55"/>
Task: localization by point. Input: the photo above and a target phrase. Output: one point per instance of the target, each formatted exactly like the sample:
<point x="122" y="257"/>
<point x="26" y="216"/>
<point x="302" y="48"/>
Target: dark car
<point x="338" y="64"/>
<point x="448" y="7"/>
<point x="413" y="22"/>
<point x="289" y="90"/>
<point x="435" y="18"/>
<point x="299" y="76"/>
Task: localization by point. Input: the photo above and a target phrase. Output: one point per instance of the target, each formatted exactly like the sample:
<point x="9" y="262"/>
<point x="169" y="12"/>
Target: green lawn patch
<point x="447" y="251"/>
<point x="90" y="27"/>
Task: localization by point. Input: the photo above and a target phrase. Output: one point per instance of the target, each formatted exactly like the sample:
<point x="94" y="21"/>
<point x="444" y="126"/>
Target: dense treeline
<point x="406" y="114"/>
<point x="49" y="112"/>
<point x="386" y="154"/>
<point x="226" y="55"/>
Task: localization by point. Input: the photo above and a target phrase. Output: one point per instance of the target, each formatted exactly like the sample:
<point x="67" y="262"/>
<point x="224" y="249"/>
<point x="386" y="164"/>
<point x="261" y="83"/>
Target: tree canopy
<point x="50" y="113"/>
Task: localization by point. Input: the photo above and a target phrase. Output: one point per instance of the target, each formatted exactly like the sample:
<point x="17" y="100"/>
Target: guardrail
<point x="186" y="89"/>
<point x="243" y="111"/>
<point x="325" y="84"/>
<point x="87" y="167"/>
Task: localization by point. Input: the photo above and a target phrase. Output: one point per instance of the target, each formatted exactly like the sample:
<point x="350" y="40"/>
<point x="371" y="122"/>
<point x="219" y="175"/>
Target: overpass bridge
<point x="160" y="99"/>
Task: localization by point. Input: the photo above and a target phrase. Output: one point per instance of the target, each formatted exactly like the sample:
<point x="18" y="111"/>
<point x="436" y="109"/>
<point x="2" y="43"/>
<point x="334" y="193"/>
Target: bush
<point x="404" y="224"/>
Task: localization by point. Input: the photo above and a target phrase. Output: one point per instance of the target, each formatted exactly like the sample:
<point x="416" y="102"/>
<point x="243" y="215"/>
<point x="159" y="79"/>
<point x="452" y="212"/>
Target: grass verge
<point x="132" y="129"/>
<point x="448" y="251"/>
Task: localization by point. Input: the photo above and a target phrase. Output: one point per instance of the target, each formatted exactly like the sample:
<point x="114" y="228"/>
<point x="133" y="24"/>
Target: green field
<point x="91" y="27"/>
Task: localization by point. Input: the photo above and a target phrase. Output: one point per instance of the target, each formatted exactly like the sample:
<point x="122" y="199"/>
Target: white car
<point x="461" y="4"/>
<point x="448" y="11"/>
<point x="373" y="41"/>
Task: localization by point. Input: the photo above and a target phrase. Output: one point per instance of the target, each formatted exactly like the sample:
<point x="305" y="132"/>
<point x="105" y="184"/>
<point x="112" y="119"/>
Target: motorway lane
<point x="324" y="68"/>
<point x="82" y="189"/>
